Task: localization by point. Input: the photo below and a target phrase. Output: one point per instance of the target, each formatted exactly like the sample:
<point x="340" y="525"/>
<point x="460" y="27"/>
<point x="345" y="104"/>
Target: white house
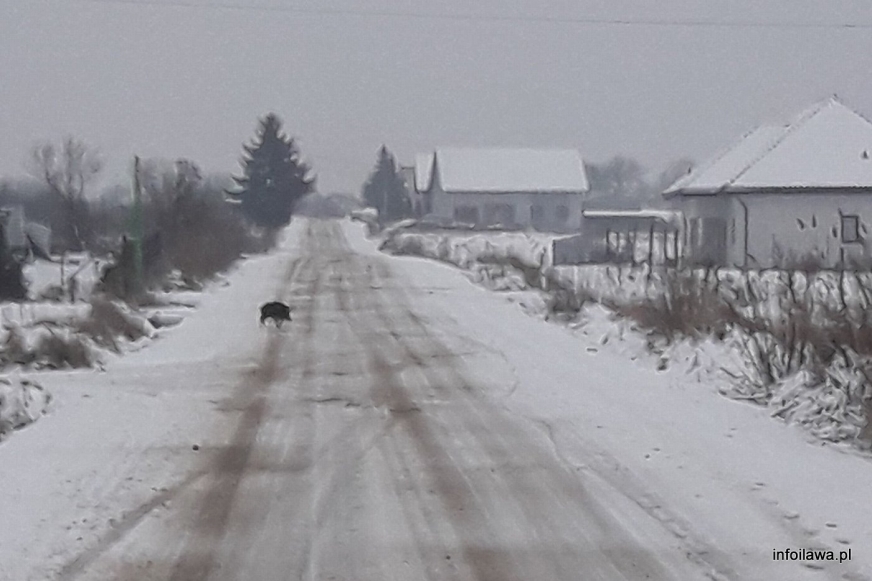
<point x="542" y="189"/>
<point x="784" y="195"/>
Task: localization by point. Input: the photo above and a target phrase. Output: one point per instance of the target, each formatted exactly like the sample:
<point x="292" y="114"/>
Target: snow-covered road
<point x="405" y="425"/>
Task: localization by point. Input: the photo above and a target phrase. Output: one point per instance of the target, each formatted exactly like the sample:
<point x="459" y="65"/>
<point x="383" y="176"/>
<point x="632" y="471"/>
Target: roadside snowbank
<point x="58" y="336"/>
<point x="750" y="358"/>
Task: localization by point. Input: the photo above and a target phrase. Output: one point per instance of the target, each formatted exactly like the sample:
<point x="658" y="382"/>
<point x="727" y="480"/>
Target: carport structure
<point x="646" y="236"/>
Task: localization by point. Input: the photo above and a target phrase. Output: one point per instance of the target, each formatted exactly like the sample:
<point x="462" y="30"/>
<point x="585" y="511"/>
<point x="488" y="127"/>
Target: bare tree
<point x="67" y="171"/>
<point x="169" y="185"/>
<point x="619" y="177"/>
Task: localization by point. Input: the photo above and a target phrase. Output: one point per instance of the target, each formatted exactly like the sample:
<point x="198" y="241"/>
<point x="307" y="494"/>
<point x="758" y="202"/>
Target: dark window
<point x="850" y="229"/>
<point x="561" y="212"/>
<point x="499" y="214"/>
<point x="466" y="214"/>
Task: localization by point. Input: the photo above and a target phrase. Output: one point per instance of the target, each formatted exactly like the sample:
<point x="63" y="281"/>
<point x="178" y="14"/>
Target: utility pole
<point x="135" y="227"/>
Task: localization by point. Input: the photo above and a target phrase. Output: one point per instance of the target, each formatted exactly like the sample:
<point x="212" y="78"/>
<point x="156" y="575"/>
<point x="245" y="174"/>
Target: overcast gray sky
<point x="190" y="81"/>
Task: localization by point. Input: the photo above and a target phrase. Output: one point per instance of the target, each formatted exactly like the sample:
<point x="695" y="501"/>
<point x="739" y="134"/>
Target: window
<point x="466" y="214"/>
<point x="499" y="214"/>
<point x="561" y="213"/>
<point x="850" y="228"/>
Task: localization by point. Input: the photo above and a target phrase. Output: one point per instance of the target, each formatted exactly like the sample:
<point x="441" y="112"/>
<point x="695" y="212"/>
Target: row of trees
<point x="623" y="179"/>
<point x="184" y="220"/>
<point x="274" y="178"/>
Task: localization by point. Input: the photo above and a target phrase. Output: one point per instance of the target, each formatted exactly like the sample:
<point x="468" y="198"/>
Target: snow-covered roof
<point x="827" y="146"/>
<point x="724" y="167"/>
<point x="510" y="170"/>
<point x="665" y="215"/>
<point x="670" y="217"/>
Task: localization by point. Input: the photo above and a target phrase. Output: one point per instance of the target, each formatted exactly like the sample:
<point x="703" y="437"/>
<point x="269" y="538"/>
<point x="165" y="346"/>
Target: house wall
<point x="544" y="211"/>
<point x="793" y="227"/>
<point x="710" y="230"/>
<point x="764" y="230"/>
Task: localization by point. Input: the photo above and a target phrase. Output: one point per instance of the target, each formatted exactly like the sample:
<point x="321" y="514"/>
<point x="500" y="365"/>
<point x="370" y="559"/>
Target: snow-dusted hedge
<point x="76" y="335"/>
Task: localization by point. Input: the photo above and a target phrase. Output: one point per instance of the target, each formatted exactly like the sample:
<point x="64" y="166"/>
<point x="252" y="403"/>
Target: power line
<point x="588" y="21"/>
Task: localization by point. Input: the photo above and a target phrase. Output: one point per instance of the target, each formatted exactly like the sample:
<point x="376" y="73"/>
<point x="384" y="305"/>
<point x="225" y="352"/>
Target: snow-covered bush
<point x="21" y="402"/>
<point x="68" y="335"/>
<point x="63" y="349"/>
<point x="107" y="322"/>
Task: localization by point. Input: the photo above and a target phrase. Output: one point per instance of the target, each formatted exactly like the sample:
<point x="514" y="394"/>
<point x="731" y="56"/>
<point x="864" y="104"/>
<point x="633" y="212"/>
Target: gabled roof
<point x="827" y="146"/>
<point x="506" y="170"/>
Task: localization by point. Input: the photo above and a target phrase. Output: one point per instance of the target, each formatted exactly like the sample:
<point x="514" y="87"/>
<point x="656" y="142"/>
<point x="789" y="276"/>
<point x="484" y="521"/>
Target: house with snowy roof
<point x="784" y="196"/>
<point x="501" y="187"/>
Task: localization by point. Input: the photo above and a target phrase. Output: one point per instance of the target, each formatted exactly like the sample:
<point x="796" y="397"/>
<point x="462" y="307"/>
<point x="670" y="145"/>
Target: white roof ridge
<point x="767" y="151"/>
<point x="798" y="122"/>
<point x="713" y="160"/>
<point x="787" y="130"/>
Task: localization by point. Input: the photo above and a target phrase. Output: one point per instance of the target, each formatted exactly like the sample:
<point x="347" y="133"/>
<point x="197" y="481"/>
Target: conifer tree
<point x="274" y="177"/>
<point x="384" y="190"/>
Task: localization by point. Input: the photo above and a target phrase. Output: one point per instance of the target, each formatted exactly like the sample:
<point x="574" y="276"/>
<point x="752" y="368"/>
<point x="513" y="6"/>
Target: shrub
<point x="106" y="322"/>
<point x="59" y="351"/>
<point x="686" y="303"/>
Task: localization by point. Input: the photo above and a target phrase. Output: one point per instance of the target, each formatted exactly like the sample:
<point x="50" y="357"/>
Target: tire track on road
<point x="506" y="444"/>
<point x="131" y="519"/>
<point x="197" y="562"/>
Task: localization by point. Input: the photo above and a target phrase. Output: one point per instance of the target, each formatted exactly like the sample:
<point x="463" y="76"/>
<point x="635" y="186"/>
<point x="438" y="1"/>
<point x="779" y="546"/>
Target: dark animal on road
<point x="276" y="311"/>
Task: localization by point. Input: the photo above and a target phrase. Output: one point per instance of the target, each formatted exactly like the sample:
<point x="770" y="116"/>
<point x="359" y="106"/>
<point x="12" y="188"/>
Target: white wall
<point x="444" y="205"/>
<point x="786" y="226"/>
<point x="805" y="224"/>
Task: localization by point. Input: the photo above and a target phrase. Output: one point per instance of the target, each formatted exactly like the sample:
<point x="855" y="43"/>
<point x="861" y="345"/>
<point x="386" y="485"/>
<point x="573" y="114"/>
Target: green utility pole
<point x="135" y="227"/>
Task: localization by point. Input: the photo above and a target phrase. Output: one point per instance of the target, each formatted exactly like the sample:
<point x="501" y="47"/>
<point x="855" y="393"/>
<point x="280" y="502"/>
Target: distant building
<point x="23" y="239"/>
<point x="542" y="189"/>
<point x="787" y="195"/>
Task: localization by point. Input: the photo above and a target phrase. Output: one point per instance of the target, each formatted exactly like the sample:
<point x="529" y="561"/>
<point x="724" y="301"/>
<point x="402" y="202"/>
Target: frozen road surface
<point x="372" y="438"/>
